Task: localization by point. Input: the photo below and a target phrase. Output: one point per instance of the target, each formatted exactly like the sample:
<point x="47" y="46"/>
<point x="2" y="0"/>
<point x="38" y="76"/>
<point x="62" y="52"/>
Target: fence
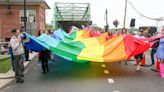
<point x="4" y="48"/>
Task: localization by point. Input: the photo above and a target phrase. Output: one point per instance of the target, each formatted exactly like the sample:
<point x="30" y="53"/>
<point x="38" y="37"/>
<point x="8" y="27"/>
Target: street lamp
<point x="106" y="19"/>
<point x="25" y="17"/>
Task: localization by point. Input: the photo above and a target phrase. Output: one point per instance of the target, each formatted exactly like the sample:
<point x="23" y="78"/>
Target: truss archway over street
<point x="68" y="14"/>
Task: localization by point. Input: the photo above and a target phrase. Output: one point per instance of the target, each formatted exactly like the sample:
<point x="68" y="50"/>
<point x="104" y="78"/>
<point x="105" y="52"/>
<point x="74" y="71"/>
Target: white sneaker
<point x="138" y="67"/>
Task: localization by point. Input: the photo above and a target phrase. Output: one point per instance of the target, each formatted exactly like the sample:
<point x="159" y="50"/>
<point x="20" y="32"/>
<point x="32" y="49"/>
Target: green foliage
<point x="7" y="0"/>
<point x="48" y="26"/>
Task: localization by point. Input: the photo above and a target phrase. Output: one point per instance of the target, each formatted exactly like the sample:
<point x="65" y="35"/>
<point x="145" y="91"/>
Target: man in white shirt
<point x="18" y="52"/>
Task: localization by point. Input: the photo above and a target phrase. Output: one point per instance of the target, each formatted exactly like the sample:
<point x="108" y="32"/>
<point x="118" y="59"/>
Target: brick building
<point x="12" y="15"/>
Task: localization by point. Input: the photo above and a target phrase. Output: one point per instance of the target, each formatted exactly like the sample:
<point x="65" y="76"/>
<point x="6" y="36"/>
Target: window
<point x="31" y="16"/>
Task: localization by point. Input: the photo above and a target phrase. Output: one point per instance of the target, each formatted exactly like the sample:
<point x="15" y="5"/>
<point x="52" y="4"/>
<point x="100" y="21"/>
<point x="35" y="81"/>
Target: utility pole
<point x="25" y="17"/>
<point x="125" y="14"/>
<point x="106" y="19"/>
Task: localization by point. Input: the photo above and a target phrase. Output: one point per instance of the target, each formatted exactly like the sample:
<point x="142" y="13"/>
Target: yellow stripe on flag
<point x="79" y="35"/>
<point x="93" y="51"/>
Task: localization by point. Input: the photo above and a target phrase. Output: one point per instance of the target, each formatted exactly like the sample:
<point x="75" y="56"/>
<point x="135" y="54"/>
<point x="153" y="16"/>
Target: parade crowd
<point x="21" y="53"/>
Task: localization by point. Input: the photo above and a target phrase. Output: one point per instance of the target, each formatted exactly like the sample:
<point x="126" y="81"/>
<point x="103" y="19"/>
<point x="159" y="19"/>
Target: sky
<point x="150" y="8"/>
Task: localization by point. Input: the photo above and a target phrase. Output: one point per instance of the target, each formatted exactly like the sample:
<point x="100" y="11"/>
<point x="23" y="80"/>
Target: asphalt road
<point x="66" y="76"/>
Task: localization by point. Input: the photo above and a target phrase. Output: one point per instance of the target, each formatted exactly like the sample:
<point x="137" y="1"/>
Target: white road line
<point x="116" y="91"/>
<point x="103" y="65"/>
<point x="25" y="71"/>
<point x="8" y="87"/>
<point x="106" y="71"/>
<point x="110" y="80"/>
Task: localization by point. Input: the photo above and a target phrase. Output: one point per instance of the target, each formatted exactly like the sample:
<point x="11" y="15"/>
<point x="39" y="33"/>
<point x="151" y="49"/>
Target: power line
<point x="157" y="19"/>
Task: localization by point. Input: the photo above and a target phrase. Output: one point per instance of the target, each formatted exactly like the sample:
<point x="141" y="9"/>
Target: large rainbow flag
<point x="80" y="46"/>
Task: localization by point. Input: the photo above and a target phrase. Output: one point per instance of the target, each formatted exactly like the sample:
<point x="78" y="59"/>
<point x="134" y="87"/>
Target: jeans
<point x="19" y="67"/>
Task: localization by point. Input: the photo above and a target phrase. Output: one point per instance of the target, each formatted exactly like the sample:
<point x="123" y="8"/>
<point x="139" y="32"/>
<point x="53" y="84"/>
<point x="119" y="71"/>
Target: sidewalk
<point x="4" y="56"/>
<point x="9" y="76"/>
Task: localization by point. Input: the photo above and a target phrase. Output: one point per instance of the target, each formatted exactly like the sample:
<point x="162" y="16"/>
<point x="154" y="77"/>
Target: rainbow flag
<point x="80" y="46"/>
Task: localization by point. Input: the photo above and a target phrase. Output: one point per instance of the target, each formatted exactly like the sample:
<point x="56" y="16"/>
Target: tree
<point x="49" y="26"/>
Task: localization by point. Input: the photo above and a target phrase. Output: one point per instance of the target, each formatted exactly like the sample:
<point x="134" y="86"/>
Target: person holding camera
<point x="18" y="53"/>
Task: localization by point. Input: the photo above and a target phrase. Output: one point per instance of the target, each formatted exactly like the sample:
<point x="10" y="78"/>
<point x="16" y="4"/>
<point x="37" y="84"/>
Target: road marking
<point x="103" y="65"/>
<point x="26" y="71"/>
<point x="110" y="80"/>
<point x="106" y="71"/>
<point x="116" y="91"/>
<point x="8" y="87"/>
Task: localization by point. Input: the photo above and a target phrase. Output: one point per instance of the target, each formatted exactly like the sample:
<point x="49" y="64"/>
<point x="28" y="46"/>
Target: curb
<point x="4" y="58"/>
<point x="10" y="74"/>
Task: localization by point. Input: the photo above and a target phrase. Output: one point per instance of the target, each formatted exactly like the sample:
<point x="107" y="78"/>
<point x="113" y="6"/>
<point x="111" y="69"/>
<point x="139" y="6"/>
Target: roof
<point x="28" y="2"/>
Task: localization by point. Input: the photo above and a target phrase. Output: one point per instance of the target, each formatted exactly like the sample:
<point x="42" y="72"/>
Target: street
<point x="66" y="76"/>
<point x="103" y="32"/>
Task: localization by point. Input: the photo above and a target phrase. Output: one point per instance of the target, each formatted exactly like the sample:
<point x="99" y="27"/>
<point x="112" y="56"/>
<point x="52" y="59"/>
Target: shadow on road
<point x="63" y="69"/>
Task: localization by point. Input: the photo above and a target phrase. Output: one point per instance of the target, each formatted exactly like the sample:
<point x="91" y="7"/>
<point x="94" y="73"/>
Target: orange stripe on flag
<point x="114" y="49"/>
